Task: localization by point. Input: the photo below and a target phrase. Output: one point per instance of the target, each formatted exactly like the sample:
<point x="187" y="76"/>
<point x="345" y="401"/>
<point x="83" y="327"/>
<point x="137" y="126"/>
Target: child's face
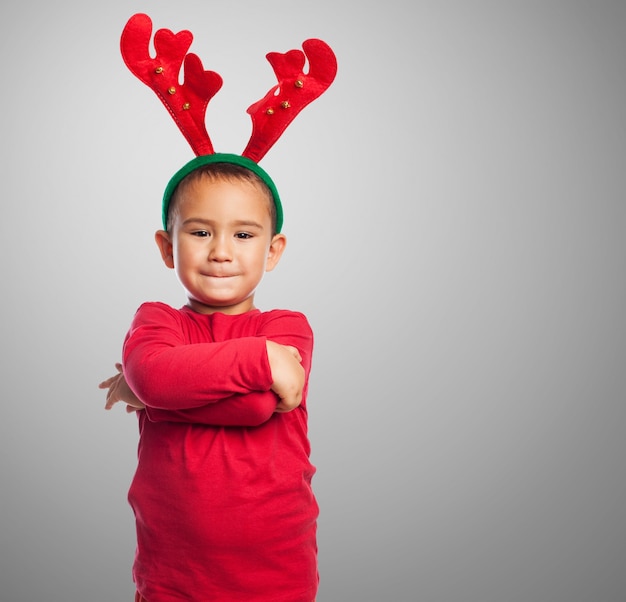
<point x="221" y="244"/>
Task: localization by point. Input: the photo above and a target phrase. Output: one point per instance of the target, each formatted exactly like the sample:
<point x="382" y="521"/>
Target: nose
<point x="220" y="249"/>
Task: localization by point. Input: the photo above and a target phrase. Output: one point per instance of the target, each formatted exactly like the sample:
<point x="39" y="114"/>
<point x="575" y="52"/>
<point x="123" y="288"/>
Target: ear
<point x="164" y="243"/>
<point x="277" y="246"/>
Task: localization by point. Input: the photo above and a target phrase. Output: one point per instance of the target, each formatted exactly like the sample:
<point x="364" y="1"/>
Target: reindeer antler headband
<point x="187" y="102"/>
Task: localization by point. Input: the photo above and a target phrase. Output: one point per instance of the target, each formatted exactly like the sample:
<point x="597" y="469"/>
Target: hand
<point x="287" y="375"/>
<point x="118" y="390"/>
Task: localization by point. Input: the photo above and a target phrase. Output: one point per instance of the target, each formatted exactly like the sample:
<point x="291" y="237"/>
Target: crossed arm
<point x="243" y="406"/>
<point x="251" y="409"/>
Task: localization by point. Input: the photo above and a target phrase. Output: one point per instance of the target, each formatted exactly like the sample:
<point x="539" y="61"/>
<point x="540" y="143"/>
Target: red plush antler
<point x="186" y="103"/>
<point x="295" y="90"/>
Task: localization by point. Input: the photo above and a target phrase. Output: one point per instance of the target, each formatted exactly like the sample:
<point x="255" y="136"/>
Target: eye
<point x="243" y="235"/>
<point x="200" y="233"/>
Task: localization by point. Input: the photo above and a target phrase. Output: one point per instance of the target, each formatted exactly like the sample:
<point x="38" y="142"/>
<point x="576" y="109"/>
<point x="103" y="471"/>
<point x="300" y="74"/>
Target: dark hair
<point x="223" y="171"/>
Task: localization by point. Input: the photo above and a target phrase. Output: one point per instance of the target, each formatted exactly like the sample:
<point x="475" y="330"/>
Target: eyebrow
<point x="238" y="223"/>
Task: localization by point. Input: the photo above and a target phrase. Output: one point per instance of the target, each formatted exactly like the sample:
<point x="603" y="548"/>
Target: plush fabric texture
<point x="222" y="513"/>
<point x="187" y="102"/>
<point x="295" y="90"/>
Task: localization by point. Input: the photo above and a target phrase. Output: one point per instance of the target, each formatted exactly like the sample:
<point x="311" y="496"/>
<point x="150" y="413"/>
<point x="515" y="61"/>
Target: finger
<point x="110" y="403"/>
<point x="109" y="382"/>
<point x="105" y="384"/>
<point x="111" y="399"/>
<point x="118" y="366"/>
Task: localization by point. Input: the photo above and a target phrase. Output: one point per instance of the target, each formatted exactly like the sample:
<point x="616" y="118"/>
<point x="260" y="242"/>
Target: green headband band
<point x="221" y="158"/>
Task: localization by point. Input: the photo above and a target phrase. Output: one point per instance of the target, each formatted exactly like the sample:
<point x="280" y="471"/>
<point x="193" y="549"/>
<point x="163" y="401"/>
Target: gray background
<point x="456" y="211"/>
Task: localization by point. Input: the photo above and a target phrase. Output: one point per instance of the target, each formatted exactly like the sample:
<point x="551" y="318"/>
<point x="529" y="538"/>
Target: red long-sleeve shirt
<point x="222" y="493"/>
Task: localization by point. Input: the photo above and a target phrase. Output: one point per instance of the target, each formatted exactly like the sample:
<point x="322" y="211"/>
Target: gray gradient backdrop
<point x="457" y="219"/>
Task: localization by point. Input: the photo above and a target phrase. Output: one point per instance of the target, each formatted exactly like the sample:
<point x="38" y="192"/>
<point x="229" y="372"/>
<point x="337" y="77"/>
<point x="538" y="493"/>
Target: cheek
<point x="256" y="260"/>
<point x="185" y="254"/>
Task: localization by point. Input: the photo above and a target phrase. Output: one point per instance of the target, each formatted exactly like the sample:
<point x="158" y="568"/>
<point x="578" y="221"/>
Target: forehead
<point x="209" y="193"/>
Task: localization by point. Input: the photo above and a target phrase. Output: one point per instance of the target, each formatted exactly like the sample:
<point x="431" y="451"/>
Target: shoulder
<point x="155" y="311"/>
<point x="285" y="318"/>
<point x="283" y="314"/>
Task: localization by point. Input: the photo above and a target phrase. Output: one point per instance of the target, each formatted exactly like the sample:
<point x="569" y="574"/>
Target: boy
<point x="222" y="493"/>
